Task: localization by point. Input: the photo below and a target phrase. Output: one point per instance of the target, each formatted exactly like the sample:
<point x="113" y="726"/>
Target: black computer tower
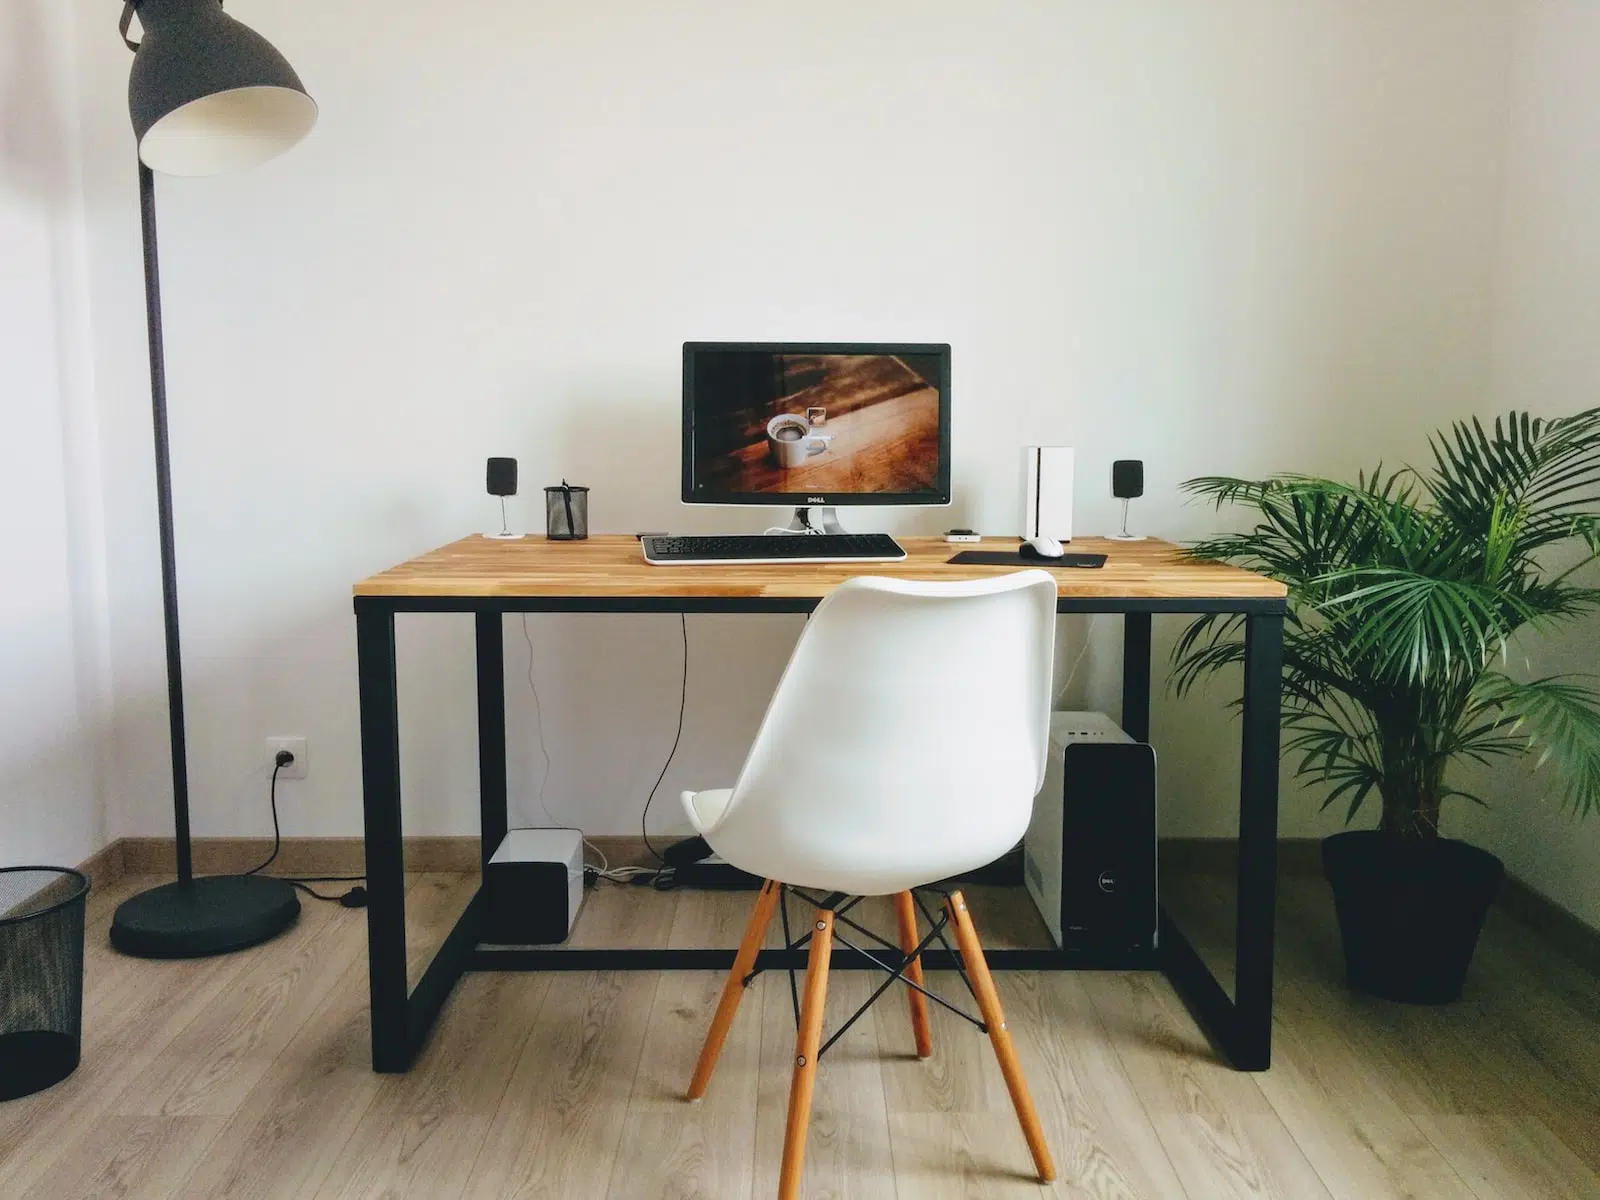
<point x="1108" y="847"/>
<point x="1090" y="853"/>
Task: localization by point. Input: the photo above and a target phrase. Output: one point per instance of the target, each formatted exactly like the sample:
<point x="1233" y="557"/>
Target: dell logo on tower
<point x="816" y="499"/>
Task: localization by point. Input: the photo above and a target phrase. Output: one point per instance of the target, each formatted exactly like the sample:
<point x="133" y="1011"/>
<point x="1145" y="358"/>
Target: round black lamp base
<point x="213" y="914"/>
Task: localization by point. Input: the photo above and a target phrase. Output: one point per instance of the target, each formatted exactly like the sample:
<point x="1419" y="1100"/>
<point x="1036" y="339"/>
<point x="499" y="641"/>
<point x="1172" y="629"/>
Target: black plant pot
<point x="1409" y="915"/>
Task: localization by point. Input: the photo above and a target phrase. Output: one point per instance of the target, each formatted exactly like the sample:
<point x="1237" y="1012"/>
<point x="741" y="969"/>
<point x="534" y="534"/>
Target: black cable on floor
<point x="277" y="839"/>
<point x="311" y="891"/>
<point x="683" y="695"/>
<point x="355" y="897"/>
<point x="322" y="878"/>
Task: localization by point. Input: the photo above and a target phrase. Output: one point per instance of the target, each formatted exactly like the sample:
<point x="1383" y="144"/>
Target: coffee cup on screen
<point x="791" y="440"/>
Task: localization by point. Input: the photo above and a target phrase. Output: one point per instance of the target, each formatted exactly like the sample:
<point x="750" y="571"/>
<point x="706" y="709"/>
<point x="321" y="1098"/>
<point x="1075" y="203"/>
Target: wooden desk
<point x="608" y="574"/>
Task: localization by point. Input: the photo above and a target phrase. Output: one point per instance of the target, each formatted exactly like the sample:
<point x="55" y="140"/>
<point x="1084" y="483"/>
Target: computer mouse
<point x="1042" y="547"/>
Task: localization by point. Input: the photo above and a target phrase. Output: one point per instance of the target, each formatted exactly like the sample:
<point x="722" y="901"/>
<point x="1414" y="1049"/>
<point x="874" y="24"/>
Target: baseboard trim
<point x="105" y="866"/>
<point x="1297" y="858"/>
<point x="1566" y="932"/>
<point x="296" y="856"/>
<point x="333" y="855"/>
<point x="346" y="855"/>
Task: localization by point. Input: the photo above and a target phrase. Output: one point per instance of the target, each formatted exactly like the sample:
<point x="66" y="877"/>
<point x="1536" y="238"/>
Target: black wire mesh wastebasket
<point x="41" y="976"/>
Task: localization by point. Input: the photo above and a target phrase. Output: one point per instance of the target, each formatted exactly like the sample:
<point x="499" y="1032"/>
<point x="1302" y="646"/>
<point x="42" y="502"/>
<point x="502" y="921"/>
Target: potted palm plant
<point x="1405" y="590"/>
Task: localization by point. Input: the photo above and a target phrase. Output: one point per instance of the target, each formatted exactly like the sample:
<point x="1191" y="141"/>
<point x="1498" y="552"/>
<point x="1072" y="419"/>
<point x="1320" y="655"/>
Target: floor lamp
<point x="207" y="95"/>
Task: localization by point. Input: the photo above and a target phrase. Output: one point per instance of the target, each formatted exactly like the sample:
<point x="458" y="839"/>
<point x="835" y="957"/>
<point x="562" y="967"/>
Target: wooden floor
<point x="247" y="1076"/>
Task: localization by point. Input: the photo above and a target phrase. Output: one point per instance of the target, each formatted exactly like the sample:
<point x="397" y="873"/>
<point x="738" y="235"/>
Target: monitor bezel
<point x="929" y="499"/>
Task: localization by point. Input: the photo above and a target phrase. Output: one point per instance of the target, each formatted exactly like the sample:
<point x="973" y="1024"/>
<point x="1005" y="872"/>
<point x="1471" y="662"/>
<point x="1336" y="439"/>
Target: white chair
<point x="904" y="745"/>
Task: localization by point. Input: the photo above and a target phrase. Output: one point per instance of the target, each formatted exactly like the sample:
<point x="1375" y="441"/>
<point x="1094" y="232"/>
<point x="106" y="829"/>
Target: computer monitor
<point x="816" y="425"/>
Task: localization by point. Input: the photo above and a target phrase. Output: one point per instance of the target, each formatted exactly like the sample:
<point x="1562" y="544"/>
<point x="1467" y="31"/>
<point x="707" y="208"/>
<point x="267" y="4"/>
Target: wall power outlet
<point x="295" y="746"/>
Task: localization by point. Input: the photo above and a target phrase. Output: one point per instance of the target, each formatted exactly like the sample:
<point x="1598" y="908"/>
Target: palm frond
<point x="1587" y="527"/>
<point x="1339" y="749"/>
<point x="1560" y="718"/>
<point x="1309" y="526"/>
<point x="1465" y="795"/>
<point x="1549" y="469"/>
<point x="1414" y="626"/>
<point x="1206" y="645"/>
<point x="1228" y="489"/>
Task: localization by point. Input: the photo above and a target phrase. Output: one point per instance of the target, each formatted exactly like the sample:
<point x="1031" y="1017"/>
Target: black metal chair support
<point x="788" y="940"/>
<point x="916" y="987"/>
<point x="938" y="926"/>
<point x="894" y="974"/>
<point x="862" y="929"/>
<point x="805" y="938"/>
<point x="897" y="972"/>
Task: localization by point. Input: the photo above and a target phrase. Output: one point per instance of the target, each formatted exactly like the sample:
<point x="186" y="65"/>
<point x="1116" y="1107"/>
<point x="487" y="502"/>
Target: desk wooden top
<point x="613" y="566"/>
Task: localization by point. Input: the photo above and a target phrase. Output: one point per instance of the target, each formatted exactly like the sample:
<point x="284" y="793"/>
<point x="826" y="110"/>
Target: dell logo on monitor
<point x="816" y="499"/>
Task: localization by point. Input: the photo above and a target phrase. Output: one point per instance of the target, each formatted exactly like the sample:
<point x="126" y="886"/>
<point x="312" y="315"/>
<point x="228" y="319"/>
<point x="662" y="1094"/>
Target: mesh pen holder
<point x="566" y="512"/>
<point x="41" y="977"/>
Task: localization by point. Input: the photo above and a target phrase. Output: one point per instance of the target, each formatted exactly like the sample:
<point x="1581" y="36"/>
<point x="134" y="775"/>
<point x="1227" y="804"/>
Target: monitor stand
<point x="818" y="519"/>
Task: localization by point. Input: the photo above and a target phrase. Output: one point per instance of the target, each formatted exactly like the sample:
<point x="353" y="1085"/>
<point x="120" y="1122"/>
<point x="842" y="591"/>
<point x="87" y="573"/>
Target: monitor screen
<point x="792" y="423"/>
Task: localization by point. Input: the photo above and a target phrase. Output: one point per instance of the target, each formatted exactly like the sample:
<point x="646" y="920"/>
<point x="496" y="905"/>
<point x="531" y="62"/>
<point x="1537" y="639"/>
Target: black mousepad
<point x="1013" y="558"/>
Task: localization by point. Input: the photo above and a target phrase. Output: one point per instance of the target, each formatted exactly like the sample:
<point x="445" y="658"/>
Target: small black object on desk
<point x="1127" y="483"/>
<point x="566" y="512"/>
<point x="1025" y="556"/>
<point x="500" y="479"/>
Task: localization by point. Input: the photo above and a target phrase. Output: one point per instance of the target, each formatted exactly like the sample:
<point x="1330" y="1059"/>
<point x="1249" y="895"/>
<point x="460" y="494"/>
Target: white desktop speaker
<point x="532" y="887"/>
<point x="1047" y="496"/>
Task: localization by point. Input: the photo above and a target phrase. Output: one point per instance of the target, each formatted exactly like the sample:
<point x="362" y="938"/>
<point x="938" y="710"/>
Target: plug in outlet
<point x="295" y="746"/>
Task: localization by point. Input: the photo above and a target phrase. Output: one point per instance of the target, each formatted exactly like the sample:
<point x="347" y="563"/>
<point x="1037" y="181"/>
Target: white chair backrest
<point x="907" y="736"/>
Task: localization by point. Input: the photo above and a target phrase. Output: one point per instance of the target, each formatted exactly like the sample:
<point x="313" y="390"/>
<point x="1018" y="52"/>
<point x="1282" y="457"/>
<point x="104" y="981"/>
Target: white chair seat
<point x="705" y="809"/>
<point x="862" y="861"/>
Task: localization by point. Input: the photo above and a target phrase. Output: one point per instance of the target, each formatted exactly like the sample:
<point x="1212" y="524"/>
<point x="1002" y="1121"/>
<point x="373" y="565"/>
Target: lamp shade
<point x="208" y="94"/>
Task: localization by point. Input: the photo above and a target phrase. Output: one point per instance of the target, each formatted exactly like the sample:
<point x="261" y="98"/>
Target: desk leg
<point x="491" y="731"/>
<point x="1258" y="841"/>
<point x="1241" y="1026"/>
<point x="380" y="798"/>
<point x="1136" y="675"/>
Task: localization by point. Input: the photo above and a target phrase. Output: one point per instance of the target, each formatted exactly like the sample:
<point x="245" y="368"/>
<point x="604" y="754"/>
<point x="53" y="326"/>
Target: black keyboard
<point x="772" y="548"/>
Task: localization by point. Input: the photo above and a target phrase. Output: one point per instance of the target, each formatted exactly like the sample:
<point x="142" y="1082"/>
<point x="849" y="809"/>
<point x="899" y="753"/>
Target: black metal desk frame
<point x="1240" y="1026"/>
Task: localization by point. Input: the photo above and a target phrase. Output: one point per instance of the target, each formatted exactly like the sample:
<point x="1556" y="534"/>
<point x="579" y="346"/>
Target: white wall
<point x="53" y="682"/>
<point x="1236" y="237"/>
<point x="1223" y="239"/>
<point x="1547" y="360"/>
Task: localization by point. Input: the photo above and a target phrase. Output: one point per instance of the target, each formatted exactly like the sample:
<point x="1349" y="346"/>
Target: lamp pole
<point x="206" y="95"/>
<point x="169" y="564"/>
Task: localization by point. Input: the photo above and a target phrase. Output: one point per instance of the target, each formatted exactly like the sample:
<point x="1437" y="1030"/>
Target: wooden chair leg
<point x="755" y="933"/>
<point x="905" y="912"/>
<point x="999" y="1036"/>
<point x="807" y="1044"/>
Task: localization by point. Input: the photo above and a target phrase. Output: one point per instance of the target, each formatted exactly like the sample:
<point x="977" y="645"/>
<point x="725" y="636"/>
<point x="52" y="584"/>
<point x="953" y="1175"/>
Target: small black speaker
<point x="502" y="477"/>
<point x="1127" y="478"/>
